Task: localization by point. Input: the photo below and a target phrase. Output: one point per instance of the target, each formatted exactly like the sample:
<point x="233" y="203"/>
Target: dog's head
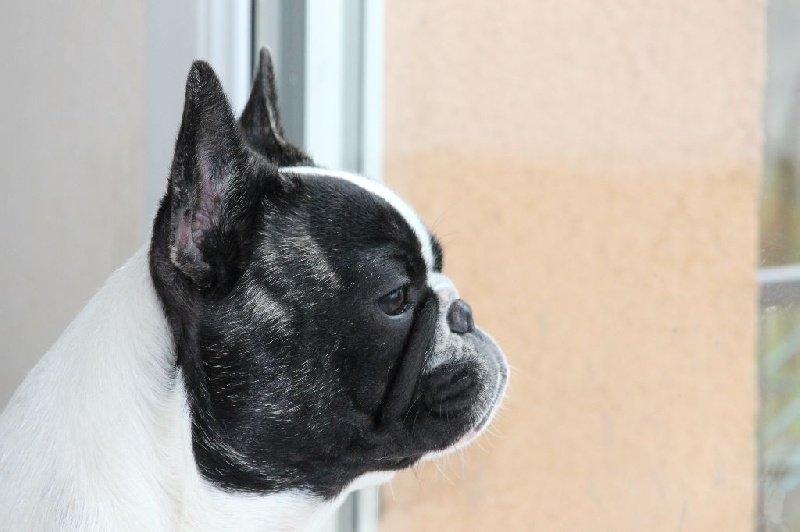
<point x="316" y="334"/>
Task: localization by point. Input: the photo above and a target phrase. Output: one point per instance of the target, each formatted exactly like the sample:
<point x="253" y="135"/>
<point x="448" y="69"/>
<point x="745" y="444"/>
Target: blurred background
<point x="612" y="182"/>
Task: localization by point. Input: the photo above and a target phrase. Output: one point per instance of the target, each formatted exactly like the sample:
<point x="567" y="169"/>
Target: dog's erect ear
<point x="260" y="121"/>
<point x="207" y="184"/>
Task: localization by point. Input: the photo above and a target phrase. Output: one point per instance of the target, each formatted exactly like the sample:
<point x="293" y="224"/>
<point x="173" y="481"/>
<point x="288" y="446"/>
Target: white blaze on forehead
<point x="383" y="192"/>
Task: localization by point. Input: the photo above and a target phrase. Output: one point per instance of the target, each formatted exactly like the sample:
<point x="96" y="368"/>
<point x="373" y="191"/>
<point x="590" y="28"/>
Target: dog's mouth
<point x="472" y="434"/>
<point x="495" y="392"/>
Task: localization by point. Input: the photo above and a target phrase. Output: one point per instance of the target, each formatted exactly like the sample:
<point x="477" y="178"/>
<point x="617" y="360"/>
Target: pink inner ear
<point x="209" y="199"/>
<point x="201" y="224"/>
<point x="183" y="233"/>
<point x="185" y="253"/>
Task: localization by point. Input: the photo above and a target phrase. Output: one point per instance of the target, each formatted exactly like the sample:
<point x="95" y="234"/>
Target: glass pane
<point x="779" y="432"/>
<point x="780" y="205"/>
<point x="779" y="342"/>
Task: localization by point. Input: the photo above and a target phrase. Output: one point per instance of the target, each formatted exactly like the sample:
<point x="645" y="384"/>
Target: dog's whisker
<point x="439" y="469"/>
<point x="494" y="432"/>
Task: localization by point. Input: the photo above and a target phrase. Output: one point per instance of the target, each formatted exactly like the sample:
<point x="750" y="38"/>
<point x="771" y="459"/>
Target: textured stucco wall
<point x="592" y="168"/>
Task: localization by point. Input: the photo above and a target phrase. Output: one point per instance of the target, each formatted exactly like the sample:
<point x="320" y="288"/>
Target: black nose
<point x="459" y="317"/>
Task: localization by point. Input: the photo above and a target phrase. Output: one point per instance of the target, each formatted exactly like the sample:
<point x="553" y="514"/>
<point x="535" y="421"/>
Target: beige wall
<point x="592" y="168"/>
<point x="71" y="136"/>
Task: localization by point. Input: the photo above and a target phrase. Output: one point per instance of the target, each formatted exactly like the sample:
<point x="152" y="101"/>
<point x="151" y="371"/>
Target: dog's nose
<point x="459" y="317"/>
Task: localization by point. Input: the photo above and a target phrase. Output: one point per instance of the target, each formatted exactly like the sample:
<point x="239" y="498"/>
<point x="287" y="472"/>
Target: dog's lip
<point x="478" y="428"/>
<point x="489" y="414"/>
<point x="499" y="391"/>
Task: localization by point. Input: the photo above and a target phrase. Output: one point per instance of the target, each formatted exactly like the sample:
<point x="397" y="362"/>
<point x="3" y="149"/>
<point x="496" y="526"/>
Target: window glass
<point x="779" y="342"/>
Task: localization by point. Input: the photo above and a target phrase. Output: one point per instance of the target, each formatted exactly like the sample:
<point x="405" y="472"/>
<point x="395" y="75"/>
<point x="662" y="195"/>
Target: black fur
<point x="295" y="377"/>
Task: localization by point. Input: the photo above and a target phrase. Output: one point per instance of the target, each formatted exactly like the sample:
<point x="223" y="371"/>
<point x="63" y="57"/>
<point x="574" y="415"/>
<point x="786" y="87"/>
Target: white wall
<point x="71" y="142"/>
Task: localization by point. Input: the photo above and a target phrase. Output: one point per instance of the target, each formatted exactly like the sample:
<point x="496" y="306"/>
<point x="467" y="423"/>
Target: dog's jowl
<point x="287" y="336"/>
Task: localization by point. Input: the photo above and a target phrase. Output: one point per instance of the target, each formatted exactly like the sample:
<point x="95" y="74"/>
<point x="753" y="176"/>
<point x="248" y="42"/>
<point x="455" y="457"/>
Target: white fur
<point x="97" y="437"/>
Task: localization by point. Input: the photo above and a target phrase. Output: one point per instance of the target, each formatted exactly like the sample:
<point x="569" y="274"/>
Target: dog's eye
<point x="395" y="302"/>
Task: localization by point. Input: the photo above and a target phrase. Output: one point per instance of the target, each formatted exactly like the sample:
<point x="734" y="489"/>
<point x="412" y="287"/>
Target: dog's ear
<point x="260" y="121"/>
<point x="209" y="192"/>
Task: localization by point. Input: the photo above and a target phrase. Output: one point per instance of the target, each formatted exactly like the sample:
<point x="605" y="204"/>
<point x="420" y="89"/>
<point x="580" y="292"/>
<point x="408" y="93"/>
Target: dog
<point x="287" y="336"/>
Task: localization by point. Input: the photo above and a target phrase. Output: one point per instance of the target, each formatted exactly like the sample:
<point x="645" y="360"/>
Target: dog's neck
<point x="126" y="462"/>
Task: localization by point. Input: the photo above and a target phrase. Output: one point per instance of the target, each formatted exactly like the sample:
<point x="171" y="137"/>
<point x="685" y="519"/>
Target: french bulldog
<point x="287" y="336"/>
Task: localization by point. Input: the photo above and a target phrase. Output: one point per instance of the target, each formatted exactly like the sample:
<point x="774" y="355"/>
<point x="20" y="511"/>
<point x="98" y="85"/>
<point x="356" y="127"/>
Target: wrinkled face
<point x="317" y="335"/>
